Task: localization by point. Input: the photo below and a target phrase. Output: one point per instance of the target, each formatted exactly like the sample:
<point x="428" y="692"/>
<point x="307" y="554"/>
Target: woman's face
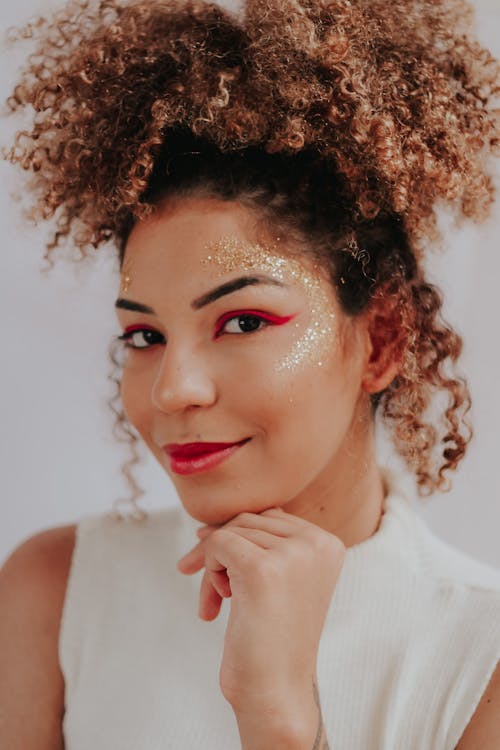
<point x="270" y="362"/>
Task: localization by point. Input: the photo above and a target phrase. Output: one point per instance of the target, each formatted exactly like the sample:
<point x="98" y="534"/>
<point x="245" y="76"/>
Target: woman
<point x="270" y="183"/>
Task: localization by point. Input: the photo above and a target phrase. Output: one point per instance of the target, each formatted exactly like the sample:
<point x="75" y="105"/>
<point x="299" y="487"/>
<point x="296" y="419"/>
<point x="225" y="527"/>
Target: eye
<point x="242" y="324"/>
<point x="248" y="321"/>
<point x="141" y="338"/>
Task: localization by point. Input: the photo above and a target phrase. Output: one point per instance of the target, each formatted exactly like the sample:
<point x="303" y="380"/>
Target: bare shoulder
<point x="483" y="730"/>
<point x="33" y="583"/>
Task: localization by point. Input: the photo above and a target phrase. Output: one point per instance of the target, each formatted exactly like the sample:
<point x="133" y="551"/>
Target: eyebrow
<point x="233" y="286"/>
<point x="128" y="304"/>
<point x="228" y="288"/>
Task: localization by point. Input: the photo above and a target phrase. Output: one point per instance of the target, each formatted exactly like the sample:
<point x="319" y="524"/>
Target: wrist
<point x="291" y="726"/>
<point x="262" y="732"/>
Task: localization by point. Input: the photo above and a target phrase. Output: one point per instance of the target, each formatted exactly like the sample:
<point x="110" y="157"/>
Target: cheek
<point x="135" y="396"/>
<point x="317" y="403"/>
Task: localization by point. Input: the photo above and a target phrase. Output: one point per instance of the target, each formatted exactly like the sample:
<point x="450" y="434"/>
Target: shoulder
<point x="46" y="546"/>
<point x="38" y="568"/>
<point x="33" y="583"/>
<point x="483" y="729"/>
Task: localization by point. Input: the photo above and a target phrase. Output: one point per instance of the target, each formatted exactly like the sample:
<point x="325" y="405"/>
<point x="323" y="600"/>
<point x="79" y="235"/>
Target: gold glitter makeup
<point x="125" y="276"/>
<point x="230" y="254"/>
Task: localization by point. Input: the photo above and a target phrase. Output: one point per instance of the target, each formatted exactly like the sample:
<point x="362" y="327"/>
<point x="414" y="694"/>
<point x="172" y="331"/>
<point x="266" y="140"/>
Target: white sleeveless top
<point x="411" y="640"/>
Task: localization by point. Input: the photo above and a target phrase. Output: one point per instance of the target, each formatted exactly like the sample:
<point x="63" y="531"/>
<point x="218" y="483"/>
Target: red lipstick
<point x="191" y="458"/>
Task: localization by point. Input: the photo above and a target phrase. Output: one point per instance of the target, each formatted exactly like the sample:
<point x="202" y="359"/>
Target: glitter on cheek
<point x="316" y="342"/>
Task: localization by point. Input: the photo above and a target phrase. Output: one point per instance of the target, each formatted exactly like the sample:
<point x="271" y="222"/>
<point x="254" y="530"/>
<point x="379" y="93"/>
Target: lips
<point x="191" y="458"/>
<point x="191" y="450"/>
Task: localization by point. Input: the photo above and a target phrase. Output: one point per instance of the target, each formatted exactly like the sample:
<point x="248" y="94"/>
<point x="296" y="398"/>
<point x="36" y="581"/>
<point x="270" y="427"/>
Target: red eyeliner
<point x="277" y="320"/>
<point x="130" y="329"/>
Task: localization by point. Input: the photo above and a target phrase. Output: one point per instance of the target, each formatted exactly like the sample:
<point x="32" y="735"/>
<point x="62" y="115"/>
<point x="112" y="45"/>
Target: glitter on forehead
<point x="231" y="254"/>
<point x="125" y="277"/>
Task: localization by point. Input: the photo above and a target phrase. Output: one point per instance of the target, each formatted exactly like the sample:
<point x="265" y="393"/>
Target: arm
<point x="32" y="589"/>
<point x="483" y="730"/>
<point x="280" y="572"/>
<point x="287" y="733"/>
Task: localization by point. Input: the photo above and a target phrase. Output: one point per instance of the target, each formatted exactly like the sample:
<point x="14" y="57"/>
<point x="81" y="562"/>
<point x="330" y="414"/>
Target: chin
<point x="216" y="513"/>
<point x="208" y="516"/>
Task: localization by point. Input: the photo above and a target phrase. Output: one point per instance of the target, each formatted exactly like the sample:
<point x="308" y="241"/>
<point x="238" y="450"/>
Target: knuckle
<point x="242" y="519"/>
<point x="316" y="539"/>
<point x="326" y="543"/>
<point x="217" y="538"/>
<point x="299" y="550"/>
<point x="336" y="548"/>
<point x="220" y="534"/>
<point x="338" y="544"/>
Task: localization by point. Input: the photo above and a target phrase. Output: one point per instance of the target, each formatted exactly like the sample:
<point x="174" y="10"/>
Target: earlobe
<point x="374" y="382"/>
<point x="385" y="346"/>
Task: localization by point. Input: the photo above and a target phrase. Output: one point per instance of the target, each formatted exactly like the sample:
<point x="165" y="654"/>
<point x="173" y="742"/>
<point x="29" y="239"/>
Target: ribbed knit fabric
<point x="411" y="640"/>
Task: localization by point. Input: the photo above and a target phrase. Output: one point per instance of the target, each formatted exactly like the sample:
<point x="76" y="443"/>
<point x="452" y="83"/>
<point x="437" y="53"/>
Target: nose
<point x="183" y="381"/>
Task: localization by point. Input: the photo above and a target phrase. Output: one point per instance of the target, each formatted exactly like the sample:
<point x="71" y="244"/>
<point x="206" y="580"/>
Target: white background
<point x="59" y="458"/>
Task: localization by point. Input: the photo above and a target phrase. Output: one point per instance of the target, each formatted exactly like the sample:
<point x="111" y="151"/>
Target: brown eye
<point x="141" y="338"/>
<point x="242" y="324"/>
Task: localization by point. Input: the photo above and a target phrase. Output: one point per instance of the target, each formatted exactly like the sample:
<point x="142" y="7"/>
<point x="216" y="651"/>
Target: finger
<point x="192" y="561"/>
<point x="220" y="582"/>
<point x="272" y="520"/>
<point x="283" y="515"/>
<point x="262" y="539"/>
<point x="205" y="531"/>
<point x="226" y="550"/>
<point x="210" y="600"/>
<point x="293" y="522"/>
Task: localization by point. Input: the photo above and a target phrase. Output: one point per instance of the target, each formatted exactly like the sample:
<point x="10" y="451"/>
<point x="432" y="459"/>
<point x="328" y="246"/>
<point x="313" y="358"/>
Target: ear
<point x="385" y="345"/>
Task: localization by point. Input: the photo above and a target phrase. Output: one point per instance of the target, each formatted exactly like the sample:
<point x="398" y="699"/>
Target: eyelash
<point x="127" y="336"/>
<point x="265" y="318"/>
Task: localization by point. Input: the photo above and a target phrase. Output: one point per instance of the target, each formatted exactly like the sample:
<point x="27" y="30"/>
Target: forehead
<point x="183" y="226"/>
<point x="206" y="236"/>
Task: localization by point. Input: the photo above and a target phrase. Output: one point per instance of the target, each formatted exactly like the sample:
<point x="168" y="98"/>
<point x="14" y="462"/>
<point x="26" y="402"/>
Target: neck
<point x="347" y="498"/>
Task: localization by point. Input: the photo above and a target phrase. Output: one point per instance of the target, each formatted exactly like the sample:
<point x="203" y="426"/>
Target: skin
<point x="279" y="513"/>
<point x="33" y="582"/>
<point x="228" y="389"/>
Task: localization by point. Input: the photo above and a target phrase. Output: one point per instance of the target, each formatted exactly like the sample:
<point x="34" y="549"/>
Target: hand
<point x="280" y="571"/>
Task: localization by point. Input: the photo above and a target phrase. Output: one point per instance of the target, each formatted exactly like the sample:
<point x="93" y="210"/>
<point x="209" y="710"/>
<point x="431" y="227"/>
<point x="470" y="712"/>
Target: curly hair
<point x="345" y="123"/>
